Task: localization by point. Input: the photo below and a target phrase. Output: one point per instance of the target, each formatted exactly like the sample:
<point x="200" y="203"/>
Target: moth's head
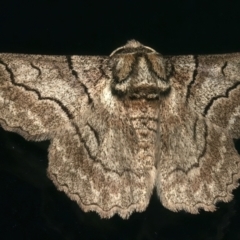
<point x="138" y="71"/>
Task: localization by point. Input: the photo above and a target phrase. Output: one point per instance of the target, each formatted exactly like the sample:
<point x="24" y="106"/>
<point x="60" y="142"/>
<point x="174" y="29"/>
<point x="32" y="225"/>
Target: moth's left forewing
<point x="94" y="154"/>
<point x="33" y="95"/>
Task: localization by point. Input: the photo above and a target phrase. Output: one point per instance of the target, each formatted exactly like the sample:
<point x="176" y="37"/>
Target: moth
<point x="121" y="125"/>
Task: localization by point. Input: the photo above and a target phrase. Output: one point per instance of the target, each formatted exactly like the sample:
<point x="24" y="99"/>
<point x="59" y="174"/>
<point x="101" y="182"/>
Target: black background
<point x="30" y="205"/>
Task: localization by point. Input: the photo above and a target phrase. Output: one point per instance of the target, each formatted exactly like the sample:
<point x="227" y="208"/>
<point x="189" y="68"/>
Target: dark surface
<point x="30" y="205"/>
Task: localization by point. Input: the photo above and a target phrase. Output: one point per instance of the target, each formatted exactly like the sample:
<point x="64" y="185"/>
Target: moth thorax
<point x="139" y="75"/>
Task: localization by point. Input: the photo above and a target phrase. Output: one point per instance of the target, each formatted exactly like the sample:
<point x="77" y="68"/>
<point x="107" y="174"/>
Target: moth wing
<point x="99" y="166"/>
<point x="37" y="95"/>
<point x="197" y="163"/>
<point x="92" y="155"/>
<point x="210" y="85"/>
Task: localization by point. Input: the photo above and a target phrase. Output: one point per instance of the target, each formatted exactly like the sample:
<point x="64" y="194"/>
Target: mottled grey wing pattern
<point x="118" y="125"/>
<point x="95" y="155"/>
<point x="197" y="163"/>
<point x="212" y="87"/>
<point x="27" y="105"/>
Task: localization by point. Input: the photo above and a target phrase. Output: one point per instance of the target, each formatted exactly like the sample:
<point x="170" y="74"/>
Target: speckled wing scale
<point x="197" y="163"/>
<point x="122" y="124"/>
